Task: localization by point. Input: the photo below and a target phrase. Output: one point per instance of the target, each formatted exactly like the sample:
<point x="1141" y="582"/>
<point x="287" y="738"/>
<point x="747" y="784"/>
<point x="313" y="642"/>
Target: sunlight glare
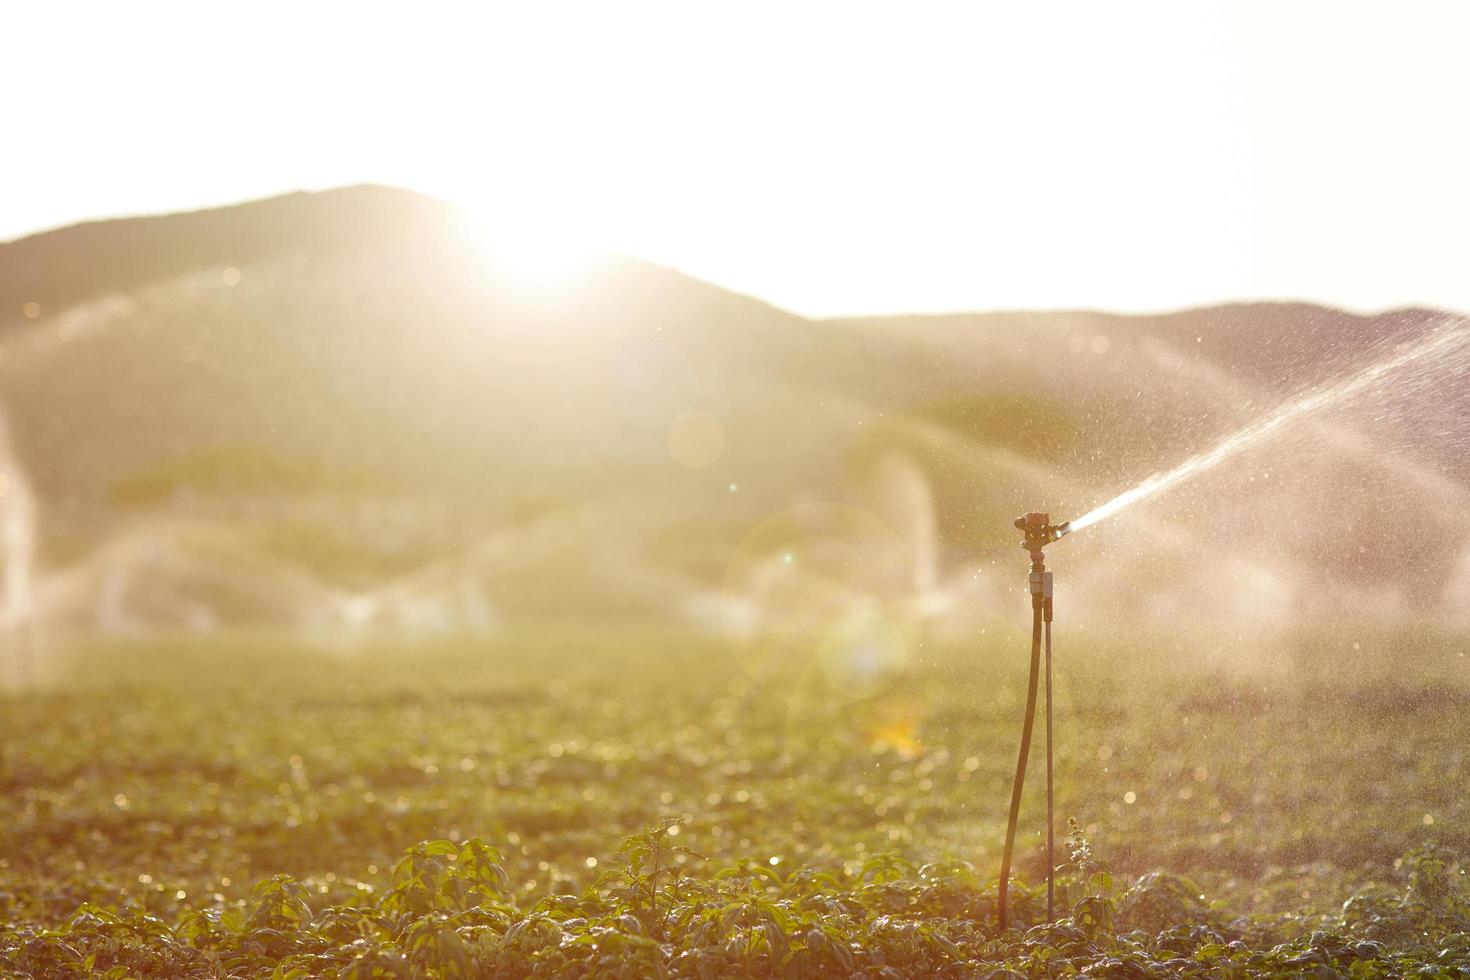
<point x="533" y="253"/>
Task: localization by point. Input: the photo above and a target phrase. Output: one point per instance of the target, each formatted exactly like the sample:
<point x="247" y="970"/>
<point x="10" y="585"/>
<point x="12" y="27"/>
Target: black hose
<point x="1005" y="862"/>
<point x="1051" y="861"/>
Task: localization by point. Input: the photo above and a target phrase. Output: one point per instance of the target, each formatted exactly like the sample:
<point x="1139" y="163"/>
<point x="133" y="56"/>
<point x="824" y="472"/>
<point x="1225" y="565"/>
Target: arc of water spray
<point x="1349" y="440"/>
<point x="1441" y="341"/>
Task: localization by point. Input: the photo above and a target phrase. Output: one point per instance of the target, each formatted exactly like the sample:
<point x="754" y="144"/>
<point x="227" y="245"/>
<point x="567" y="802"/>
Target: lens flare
<point x="865" y="653"/>
<point x="695" y="440"/>
<point x="823" y="595"/>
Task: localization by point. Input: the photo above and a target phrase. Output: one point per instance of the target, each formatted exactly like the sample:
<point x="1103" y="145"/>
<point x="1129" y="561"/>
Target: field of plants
<point x="632" y="804"/>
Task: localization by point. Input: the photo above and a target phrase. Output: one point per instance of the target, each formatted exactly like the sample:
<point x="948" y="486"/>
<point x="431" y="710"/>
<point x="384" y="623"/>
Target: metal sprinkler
<point x="1039" y="532"/>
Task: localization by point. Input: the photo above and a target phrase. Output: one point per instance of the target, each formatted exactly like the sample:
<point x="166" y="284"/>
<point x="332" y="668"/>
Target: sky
<point x="832" y="158"/>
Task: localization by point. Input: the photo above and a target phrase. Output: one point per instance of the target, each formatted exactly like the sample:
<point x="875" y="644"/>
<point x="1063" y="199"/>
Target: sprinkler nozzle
<point x="1040" y="532"/>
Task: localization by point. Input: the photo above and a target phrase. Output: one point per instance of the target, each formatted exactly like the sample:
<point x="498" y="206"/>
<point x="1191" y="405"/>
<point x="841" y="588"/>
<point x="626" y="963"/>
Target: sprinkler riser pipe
<point x="1041" y="584"/>
<point x="1038" y="531"/>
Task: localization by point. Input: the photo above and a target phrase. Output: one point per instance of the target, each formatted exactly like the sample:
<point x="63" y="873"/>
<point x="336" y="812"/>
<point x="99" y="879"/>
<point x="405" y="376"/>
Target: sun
<point x="543" y="283"/>
<point x="534" y="252"/>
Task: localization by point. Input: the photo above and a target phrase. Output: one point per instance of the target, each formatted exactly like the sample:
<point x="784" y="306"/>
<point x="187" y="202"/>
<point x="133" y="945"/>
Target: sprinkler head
<point x="1040" y="532"/>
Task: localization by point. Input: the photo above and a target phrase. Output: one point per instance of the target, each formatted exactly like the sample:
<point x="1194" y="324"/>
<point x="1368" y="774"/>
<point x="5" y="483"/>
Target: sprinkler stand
<point x="1039" y="532"/>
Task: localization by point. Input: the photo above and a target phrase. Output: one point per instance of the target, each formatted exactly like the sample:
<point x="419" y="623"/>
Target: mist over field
<point x="345" y="412"/>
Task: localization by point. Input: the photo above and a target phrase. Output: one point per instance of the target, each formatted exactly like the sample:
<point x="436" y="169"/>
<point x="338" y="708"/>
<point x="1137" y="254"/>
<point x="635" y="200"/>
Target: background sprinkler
<point x="1039" y="532"/>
